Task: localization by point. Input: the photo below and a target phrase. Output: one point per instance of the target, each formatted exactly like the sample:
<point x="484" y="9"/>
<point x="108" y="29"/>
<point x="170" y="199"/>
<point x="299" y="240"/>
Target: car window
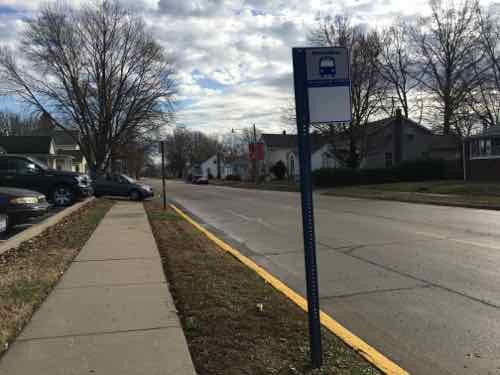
<point x="23" y="166"/>
<point x="4" y="165"/>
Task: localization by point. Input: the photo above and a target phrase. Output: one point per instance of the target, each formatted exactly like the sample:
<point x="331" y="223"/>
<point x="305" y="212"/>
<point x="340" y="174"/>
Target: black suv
<point x="62" y="188"/>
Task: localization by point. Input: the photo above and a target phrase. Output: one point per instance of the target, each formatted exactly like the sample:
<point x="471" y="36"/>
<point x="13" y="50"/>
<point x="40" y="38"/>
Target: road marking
<point x="369" y="353"/>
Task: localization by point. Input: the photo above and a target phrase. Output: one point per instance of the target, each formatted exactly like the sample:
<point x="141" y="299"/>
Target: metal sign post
<point x="162" y="146"/>
<point x="322" y="95"/>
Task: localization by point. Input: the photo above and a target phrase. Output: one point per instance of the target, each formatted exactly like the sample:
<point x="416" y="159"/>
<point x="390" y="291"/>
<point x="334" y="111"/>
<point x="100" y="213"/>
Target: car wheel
<point x="62" y="195"/>
<point x="135" y="195"/>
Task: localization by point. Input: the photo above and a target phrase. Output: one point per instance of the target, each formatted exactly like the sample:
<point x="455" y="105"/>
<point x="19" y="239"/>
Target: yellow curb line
<point x="365" y="350"/>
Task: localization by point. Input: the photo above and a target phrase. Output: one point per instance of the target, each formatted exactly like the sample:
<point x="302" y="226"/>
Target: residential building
<point x="66" y="143"/>
<point x="482" y="156"/>
<point x="322" y="156"/>
<point x="237" y="166"/>
<point x="42" y="148"/>
<point x="393" y="140"/>
<point x="213" y="167"/>
<point x="283" y="147"/>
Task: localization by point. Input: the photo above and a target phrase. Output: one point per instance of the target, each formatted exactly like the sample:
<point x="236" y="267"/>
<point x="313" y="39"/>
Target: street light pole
<point x="162" y="145"/>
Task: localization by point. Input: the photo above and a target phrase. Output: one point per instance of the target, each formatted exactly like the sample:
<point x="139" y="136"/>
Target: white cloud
<point x="234" y="56"/>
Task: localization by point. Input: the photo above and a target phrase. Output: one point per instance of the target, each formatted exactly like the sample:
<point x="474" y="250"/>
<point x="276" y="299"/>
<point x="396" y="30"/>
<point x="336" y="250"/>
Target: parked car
<point x="121" y="185"/>
<point x="200" y="180"/>
<point x="19" y="206"/>
<point x="60" y="187"/>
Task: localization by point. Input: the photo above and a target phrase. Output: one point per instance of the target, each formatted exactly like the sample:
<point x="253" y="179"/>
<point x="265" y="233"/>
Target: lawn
<point x="235" y="323"/>
<point x="447" y="193"/>
<point x="28" y="273"/>
<point x="441" y="187"/>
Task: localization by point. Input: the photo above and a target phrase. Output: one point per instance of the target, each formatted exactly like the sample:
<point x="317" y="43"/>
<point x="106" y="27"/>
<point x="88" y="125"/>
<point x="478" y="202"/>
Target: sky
<point x="232" y="57"/>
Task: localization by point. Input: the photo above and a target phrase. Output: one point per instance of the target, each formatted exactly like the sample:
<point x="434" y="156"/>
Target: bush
<point x="233" y="177"/>
<point x="279" y="170"/>
<point x="420" y="170"/>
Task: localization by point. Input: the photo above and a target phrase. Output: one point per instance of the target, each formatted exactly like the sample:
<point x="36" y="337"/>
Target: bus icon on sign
<point x="327" y="66"/>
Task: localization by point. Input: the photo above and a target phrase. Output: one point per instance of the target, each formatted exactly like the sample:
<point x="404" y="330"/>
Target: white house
<point x="321" y="157"/>
<point x="210" y="167"/>
<point x="284" y="147"/>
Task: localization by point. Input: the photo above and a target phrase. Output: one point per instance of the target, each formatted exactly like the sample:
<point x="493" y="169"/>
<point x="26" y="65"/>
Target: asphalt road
<point x="420" y="283"/>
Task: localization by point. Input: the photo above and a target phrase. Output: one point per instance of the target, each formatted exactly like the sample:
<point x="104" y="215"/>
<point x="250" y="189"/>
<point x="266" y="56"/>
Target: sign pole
<point x="162" y="144"/>
<point x="304" y="143"/>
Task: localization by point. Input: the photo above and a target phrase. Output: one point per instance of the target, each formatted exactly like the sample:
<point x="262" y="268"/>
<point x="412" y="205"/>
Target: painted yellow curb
<point x="369" y="353"/>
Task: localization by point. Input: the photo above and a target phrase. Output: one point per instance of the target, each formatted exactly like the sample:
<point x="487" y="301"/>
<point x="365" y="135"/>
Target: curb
<point x="366" y="351"/>
<point x="36" y="229"/>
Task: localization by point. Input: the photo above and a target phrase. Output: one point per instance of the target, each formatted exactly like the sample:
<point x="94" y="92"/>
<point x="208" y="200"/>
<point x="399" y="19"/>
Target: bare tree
<point x="14" y="124"/>
<point x="448" y="47"/>
<point x="186" y="148"/>
<point x="485" y="98"/>
<point x="95" y="69"/>
<point x="366" y="83"/>
<point x="397" y="68"/>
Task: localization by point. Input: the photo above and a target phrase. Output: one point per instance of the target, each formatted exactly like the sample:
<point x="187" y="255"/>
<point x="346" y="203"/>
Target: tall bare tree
<point x="448" y="47"/>
<point x="397" y="68"/>
<point x="95" y="69"/>
<point x="485" y="98"/>
<point x="367" y="86"/>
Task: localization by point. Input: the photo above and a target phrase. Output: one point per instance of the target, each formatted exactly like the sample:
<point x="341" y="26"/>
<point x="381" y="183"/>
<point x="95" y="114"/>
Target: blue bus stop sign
<point x="322" y="95"/>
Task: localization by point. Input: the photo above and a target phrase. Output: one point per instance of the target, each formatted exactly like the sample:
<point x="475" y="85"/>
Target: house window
<point x="485" y="148"/>
<point x="292" y="166"/>
<point x="388" y="159"/>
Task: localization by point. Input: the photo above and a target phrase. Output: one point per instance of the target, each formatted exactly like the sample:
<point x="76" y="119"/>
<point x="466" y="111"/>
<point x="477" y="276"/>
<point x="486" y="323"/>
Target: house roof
<point x="32" y="144"/>
<point x="375" y="126"/>
<point x="76" y="154"/>
<point x="279" y="140"/>
<point x="62" y="137"/>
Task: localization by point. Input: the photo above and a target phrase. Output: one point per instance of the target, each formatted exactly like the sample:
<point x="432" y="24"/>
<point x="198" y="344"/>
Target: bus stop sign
<point x="322" y="95"/>
<point x="328" y="84"/>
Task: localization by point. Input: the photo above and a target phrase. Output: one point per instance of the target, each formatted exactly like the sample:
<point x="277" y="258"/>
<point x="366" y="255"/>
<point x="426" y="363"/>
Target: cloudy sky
<point x="233" y="57"/>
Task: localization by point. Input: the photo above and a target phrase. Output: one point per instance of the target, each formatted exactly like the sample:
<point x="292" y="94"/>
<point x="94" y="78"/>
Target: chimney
<point x="284" y="132"/>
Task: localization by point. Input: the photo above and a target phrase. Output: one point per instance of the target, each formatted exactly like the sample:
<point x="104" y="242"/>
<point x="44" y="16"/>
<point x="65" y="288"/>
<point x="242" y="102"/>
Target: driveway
<point x="420" y="283"/>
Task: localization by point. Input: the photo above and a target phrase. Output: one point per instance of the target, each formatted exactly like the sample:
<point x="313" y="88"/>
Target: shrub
<point x="279" y="170"/>
<point x="420" y="170"/>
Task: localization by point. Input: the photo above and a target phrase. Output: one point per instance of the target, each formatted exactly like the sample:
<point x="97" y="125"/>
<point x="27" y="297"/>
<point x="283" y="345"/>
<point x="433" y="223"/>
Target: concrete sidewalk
<point x="112" y="312"/>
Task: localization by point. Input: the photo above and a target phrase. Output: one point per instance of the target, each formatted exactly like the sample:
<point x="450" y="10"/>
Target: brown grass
<point x="28" y="273"/>
<point x="219" y="301"/>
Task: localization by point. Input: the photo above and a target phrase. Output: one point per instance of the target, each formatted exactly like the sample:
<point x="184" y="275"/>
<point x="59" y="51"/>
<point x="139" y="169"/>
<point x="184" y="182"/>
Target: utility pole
<point x="255" y="154"/>
<point x="162" y="146"/>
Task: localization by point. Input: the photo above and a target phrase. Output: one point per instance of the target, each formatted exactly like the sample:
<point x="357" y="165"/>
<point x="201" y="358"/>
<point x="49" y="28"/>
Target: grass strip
<point x="28" y="273"/>
<point x="235" y="322"/>
<point x="491" y="202"/>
